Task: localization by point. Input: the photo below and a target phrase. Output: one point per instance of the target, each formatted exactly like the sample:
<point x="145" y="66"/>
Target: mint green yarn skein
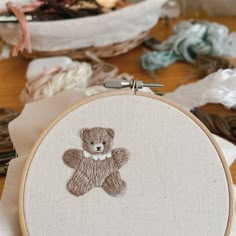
<point x="189" y="40"/>
<point x="152" y="61"/>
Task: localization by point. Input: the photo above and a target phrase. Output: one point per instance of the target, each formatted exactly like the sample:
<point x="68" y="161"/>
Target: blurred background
<point x="201" y="8"/>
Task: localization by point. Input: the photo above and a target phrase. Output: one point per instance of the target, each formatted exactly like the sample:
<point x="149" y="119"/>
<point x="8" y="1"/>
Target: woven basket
<point x="105" y="35"/>
<point x="101" y="52"/>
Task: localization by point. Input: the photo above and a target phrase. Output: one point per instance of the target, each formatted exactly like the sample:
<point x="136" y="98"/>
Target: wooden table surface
<point x="12" y="74"/>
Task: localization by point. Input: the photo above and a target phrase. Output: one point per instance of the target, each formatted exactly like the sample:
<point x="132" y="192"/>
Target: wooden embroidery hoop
<point x="128" y="92"/>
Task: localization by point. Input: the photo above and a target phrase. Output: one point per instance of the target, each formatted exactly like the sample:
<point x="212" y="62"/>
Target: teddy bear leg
<point x="79" y="184"/>
<point x="114" y="185"/>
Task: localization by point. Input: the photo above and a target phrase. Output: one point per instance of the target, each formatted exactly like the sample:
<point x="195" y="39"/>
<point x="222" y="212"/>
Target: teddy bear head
<point x="97" y="140"/>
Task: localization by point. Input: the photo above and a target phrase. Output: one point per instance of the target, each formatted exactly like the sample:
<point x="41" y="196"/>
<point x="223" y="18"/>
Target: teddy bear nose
<point x="99" y="148"/>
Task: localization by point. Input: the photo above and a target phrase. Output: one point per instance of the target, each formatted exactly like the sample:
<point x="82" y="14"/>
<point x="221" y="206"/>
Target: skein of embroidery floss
<point x="222" y="126"/>
<point x="50" y="76"/>
<point x="7" y="151"/>
<point x="190" y="38"/>
<point x="218" y="87"/>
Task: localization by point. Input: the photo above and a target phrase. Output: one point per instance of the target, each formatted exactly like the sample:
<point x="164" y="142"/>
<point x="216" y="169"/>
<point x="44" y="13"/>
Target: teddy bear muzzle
<point x="99" y="147"/>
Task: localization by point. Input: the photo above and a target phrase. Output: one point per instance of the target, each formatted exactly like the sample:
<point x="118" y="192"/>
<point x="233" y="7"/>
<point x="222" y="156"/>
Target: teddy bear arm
<point x="121" y="156"/>
<point x="72" y="157"/>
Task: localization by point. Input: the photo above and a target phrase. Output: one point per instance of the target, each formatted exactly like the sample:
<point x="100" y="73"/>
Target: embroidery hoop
<point x="127" y="92"/>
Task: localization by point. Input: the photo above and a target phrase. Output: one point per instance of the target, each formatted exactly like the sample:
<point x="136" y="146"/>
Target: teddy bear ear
<point x="83" y="131"/>
<point x="111" y="132"/>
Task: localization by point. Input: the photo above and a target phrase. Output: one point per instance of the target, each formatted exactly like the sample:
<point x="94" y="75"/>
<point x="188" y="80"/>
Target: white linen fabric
<point x="29" y="125"/>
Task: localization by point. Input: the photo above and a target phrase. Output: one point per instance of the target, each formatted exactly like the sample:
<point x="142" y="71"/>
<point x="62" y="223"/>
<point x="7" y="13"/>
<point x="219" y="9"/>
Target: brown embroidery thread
<point x="97" y="165"/>
<point x="6" y="116"/>
<point x="208" y="64"/>
<point x="222" y="126"/>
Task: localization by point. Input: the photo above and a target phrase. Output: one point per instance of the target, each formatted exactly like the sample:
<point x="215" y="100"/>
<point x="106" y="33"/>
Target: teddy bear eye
<point x="104" y="143"/>
<point x="92" y="143"/>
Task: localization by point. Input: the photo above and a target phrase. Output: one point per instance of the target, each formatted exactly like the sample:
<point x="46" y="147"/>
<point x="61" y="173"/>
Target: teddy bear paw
<point x="80" y="185"/>
<point x="114" y="185"/>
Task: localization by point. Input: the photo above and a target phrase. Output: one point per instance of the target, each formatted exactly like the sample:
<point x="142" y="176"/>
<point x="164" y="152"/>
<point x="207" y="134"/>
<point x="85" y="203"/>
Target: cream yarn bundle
<point x="50" y="76"/>
<point x="55" y="80"/>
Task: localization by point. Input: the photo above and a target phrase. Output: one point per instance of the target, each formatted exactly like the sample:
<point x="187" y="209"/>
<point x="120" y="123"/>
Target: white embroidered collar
<point x="97" y="156"/>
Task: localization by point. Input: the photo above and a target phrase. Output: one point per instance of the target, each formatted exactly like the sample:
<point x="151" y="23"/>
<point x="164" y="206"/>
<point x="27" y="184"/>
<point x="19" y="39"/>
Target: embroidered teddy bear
<point x="97" y="165"/>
